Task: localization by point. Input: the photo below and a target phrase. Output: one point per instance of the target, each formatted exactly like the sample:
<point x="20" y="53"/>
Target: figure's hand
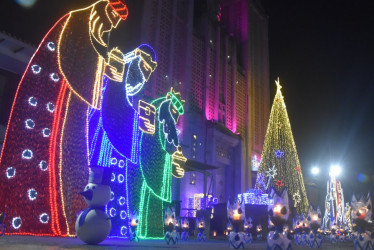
<point x="178" y="163"/>
<point x="116" y="66"/>
<point x="147" y="65"/>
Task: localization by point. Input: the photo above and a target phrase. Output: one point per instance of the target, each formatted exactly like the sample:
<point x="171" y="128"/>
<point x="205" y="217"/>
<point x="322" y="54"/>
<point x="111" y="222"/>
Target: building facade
<point x="216" y="54"/>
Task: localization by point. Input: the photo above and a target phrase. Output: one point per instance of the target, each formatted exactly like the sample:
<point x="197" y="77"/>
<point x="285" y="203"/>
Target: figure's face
<point x="174" y="113"/>
<point x="102" y="19"/>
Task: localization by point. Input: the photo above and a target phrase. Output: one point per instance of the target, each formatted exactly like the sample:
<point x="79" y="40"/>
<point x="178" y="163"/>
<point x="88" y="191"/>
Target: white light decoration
<point x="255" y="197"/>
<point x="121" y="200"/>
<point x="16" y="222"/>
<point x="54" y="77"/>
<point x="111" y="196"/>
<point x="113" y="177"/>
<point x="335" y="170"/>
<point x="296" y="198"/>
<point x="113" y="161"/>
<point x="10" y="172"/>
<point x="121" y="164"/>
<point x="123" y="215"/>
<point x="255" y="162"/>
<point x="36" y="69"/>
<point x="51" y="46"/>
<point x="32" y="194"/>
<point x="43" y="165"/>
<point x="50" y="107"/>
<point x="29" y="124"/>
<point x="27" y="154"/>
<point x="44" y="218"/>
<point x="315" y="170"/>
<point x="112" y="212"/>
<point x="46" y="132"/>
<point x="121" y="178"/>
<point x="123" y="230"/>
<point x="33" y="101"/>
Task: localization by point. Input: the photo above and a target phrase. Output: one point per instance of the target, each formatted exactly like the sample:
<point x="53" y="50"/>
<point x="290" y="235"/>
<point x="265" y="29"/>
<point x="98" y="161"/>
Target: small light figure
<point x="185" y="227"/>
<point x="133" y="222"/>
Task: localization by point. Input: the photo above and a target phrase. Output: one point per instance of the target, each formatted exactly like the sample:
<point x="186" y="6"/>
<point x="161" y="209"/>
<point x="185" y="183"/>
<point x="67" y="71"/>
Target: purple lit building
<point x="216" y="54"/>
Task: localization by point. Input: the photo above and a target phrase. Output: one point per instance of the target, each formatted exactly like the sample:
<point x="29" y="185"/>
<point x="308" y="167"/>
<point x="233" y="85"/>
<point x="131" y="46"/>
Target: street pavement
<point x="55" y="243"/>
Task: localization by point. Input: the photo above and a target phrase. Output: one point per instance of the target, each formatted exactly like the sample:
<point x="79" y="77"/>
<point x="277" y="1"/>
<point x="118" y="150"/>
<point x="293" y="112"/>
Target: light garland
<point x="44" y="218"/>
<point x="43" y="165"/>
<point x="54" y="77"/>
<point x="36" y="69"/>
<point x="112" y="212"/>
<point x="27" y="154"/>
<point x="33" y="101"/>
<point x="51" y="46"/>
<point x="50" y="107"/>
<point x="32" y="194"/>
<point x="46" y="132"/>
<point x="29" y="124"/>
<point x="121" y="201"/>
<point x="123" y="215"/>
<point x="16" y="222"/>
<point x="10" y="172"/>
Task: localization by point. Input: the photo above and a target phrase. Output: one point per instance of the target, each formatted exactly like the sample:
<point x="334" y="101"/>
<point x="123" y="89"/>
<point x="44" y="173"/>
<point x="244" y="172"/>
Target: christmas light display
<point x="280" y="166"/>
<point x="334" y="204"/>
<point x="59" y="123"/>
<point x="255" y="197"/>
<point x="156" y="150"/>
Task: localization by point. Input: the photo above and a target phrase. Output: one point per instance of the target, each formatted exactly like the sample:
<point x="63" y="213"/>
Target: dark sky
<point x="322" y="50"/>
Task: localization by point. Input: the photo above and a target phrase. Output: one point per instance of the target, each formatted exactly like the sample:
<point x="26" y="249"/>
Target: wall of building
<point x="221" y="69"/>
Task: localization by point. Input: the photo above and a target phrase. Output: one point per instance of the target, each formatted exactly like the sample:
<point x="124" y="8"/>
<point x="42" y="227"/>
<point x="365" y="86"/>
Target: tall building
<point x="216" y="54"/>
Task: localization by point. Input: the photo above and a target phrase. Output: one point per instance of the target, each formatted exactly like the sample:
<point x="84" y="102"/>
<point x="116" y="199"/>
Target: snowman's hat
<point x="100" y="175"/>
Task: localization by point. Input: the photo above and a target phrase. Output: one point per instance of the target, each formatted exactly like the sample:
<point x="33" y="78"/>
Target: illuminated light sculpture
<point x="300" y="225"/>
<point x="280" y="166"/>
<point x="157" y="150"/>
<point x="114" y="131"/>
<point x="171" y="236"/>
<point x="247" y="227"/>
<point x="93" y="225"/>
<point x="74" y="54"/>
<point x="334" y="204"/>
<point x="259" y="232"/>
<point x="236" y="216"/>
<point x="255" y="197"/>
<point x="200" y="224"/>
<point x="314" y="223"/>
<point x="133" y="224"/>
<point x="361" y="220"/>
<point x="279" y="212"/>
<point x="185" y="227"/>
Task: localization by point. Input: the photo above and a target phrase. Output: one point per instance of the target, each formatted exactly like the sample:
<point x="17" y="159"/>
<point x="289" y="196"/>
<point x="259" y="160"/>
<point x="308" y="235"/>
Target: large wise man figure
<point x="44" y="161"/>
<point x="158" y="156"/>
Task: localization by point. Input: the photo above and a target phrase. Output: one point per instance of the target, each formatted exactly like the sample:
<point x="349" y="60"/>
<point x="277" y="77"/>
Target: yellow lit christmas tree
<point x="280" y="167"/>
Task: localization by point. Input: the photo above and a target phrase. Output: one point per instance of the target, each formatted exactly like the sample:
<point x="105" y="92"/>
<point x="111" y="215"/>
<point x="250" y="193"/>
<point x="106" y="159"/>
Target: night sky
<point x="322" y="51"/>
